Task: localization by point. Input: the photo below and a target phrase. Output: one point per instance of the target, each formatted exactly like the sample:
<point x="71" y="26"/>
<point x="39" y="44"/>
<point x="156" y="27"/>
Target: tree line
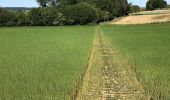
<point x="73" y="12"/>
<point x="65" y="12"/>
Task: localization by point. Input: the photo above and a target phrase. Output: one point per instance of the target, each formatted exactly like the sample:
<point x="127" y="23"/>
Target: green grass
<point x="149" y="13"/>
<point x="43" y="63"/>
<point x="147" y="49"/>
<point x="166" y="11"/>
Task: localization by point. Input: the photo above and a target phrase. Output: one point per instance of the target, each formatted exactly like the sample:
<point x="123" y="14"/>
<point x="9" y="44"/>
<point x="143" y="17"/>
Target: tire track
<point x="109" y="77"/>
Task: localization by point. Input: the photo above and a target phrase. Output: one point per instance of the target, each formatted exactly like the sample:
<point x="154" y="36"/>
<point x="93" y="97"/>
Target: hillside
<point x="145" y="17"/>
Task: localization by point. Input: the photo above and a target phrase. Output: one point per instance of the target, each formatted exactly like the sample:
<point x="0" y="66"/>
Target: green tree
<point x="46" y="16"/>
<point x="155" y="4"/>
<point x="69" y="2"/>
<point x="22" y="19"/>
<point x="7" y="18"/>
<point x="103" y="16"/>
<point x="43" y="3"/>
<point x="168" y="6"/>
<point x="133" y="8"/>
<point x="114" y="7"/>
<point x="81" y="13"/>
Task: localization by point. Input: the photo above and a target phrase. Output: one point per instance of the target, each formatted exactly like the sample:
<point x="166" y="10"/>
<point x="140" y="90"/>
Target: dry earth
<point x="143" y="19"/>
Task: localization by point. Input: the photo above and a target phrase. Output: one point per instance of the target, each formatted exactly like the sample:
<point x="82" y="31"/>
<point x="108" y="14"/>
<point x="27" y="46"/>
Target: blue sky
<point x="32" y="3"/>
<point x="18" y="3"/>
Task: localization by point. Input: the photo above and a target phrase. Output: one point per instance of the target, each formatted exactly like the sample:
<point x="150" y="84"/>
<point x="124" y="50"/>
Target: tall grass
<point x="43" y="63"/>
<point x="147" y="48"/>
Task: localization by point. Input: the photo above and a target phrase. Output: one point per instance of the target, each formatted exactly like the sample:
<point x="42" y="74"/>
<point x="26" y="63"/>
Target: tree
<point x="81" y="13"/>
<point x="133" y="8"/>
<point x="67" y="12"/>
<point x="42" y="3"/>
<point x="155" y="4"/>
<point x="45" y="3"/>
<point x="46" y="16"/>
<point x="69" y="2"/>
<point x="7" y="18"/>
<point x="114" y="7"/>
<point x="103" y="16"/>
<point x="22" y="19"/>
<point x="168" y="6"/>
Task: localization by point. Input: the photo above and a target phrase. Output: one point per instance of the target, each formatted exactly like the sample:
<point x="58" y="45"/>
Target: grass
<point x="43" y="63"/>
<point x="166" y="11"/>
<point x="147" y="49"/>
<point x="150" y="13"/>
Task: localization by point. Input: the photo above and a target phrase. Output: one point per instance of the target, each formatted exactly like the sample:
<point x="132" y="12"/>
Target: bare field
<point x="146" y="17"/>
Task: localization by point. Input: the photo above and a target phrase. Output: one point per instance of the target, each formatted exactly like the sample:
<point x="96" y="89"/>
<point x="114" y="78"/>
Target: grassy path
<point x="109" y="77"/>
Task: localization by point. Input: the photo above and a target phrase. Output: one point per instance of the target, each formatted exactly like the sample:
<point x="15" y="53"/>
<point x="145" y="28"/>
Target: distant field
<point x="155" y="16"/>
<point x="154" y="12"/>
<point x="143" y="19"/>
<point x="16" y="9"/>
<point x="147" y="48"/>
<point x="43" y="63"/>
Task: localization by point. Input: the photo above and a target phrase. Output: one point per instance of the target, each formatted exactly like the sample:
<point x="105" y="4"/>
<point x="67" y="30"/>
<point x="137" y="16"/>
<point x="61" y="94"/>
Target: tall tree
<point x="69" y="2"/>
<point x="114" y="7"/>
<point x="6" y="16"/>
<point x="155" y="4"/>
<point x="42" y="3"/>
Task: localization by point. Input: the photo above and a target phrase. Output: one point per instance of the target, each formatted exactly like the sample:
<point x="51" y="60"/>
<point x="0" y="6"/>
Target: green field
<point x="43" y="63"/>
<point x="48" y="63"/>
<point x="147" y="49"/>
<point x="166" y="11"/>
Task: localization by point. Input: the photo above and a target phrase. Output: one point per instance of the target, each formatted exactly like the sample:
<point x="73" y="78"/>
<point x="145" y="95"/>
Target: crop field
<point x="154" y="12"/>
<point x="43" y="63"/>
<point x="143" y="19"/>
<point x="146" y="48"/>
<point x="80" y="62"/>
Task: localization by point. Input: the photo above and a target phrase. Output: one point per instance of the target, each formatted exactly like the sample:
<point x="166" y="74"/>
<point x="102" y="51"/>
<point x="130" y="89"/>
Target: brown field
<point x="159" y="16"/>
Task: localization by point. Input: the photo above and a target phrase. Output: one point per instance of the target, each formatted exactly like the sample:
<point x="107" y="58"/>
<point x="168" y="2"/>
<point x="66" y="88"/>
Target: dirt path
<point x="109" y="77"/>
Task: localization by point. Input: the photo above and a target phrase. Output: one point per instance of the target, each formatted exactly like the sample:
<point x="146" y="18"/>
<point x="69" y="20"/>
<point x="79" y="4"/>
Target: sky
<point x="32" y="3"/>
<point x="18" y="3"/>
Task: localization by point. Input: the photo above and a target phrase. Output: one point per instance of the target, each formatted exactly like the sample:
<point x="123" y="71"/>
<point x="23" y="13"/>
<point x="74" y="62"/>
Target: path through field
<point x="109" y="77"/>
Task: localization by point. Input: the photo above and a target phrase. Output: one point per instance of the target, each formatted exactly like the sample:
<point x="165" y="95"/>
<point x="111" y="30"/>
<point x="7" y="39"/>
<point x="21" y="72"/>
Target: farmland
<point x="145" y="17"/>
<point x="146" y="48"/>
<point x="85" y="62"/>
<point x="85" y="50"/>
<point x="43" y="63"/>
